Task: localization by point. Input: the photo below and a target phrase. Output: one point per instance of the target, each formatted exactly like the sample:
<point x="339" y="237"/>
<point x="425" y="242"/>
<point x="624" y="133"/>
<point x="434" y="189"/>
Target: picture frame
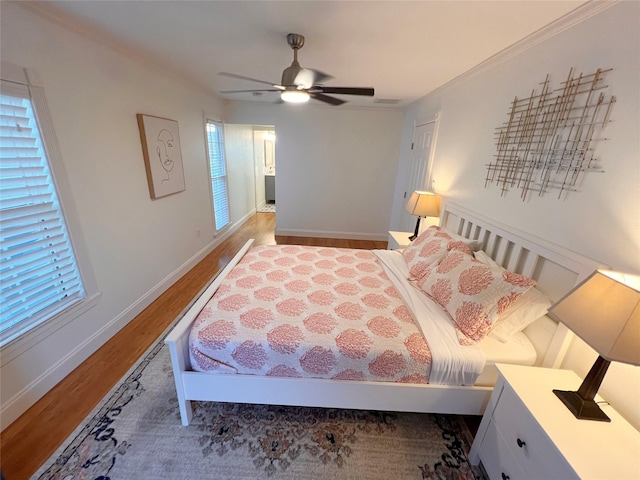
<point x="161" y="149"/>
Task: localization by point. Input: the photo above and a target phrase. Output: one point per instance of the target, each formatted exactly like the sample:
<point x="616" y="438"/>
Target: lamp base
<point x="584" y="409"/>
<point x="417" y="230"/>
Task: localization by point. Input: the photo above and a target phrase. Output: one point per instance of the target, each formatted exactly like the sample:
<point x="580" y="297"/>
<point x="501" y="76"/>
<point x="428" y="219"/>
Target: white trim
<point x="222" y="137"/>
<point x="67" y="204"/>
<point x="11" y="409"/>
<point x="23" y="341"/>
<point x="212" y="213"/>
<point x="85" y="29"/>
<point x="14" y="73"/>
<point x="295" y="232"/>
<point x="432" y="154"/>
<point x="18" y="344"/>
<point x="583" y="12"/>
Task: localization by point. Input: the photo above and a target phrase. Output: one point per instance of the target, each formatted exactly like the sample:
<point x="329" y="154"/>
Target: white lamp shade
<point x="423" y="204"/>
<point x="605" y="313"/>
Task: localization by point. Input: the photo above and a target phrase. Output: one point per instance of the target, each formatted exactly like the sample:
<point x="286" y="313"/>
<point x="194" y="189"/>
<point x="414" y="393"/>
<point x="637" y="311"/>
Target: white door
<point x="418" y="177"/>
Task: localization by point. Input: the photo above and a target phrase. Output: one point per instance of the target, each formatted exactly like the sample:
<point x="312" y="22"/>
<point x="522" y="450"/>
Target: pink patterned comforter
<point x="296" y="311"/>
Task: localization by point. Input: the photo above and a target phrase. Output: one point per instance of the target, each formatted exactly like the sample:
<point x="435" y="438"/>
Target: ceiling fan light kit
<point x="294" y="96"/>
<point x="299" y="84"/>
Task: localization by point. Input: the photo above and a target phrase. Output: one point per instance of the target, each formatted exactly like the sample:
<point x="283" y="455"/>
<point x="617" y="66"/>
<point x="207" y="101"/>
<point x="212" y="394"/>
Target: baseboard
<point x="34" y="391"/>
<point x="287" y="232"/>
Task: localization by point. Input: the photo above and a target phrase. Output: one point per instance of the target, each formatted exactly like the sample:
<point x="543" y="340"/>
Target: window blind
<point x="39" y="276"/>
<point x="218" y="169"/>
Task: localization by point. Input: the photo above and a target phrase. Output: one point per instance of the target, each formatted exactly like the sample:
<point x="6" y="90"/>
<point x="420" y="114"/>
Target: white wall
<point x="137" y="246"/>
<point x="602" y="221"/>
<point x="335" y="166"/>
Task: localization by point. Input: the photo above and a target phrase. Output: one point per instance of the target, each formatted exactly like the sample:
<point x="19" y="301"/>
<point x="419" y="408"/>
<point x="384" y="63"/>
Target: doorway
<point x="264" y="154"/>
<point x="419" y="166"/>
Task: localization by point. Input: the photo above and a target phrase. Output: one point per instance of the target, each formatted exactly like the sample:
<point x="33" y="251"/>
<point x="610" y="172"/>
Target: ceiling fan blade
<point x="304" y="79"/>
<point x="367" y="92"/>
<point x="319" y="76"/>
<point x="308" y="77"/>
<point x="250" y="91"/>
<point x="326" y="98"/>
<point x="242" y="77"/>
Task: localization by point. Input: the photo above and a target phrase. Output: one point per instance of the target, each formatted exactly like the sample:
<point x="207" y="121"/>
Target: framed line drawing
<point x="162" y="155"/>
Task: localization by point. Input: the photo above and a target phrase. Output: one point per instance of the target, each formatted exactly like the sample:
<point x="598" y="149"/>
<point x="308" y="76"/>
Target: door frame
<point x="429" y="181"/>
<point x="259" y="166"/>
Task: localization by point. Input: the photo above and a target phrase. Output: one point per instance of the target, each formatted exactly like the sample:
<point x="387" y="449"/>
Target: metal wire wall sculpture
<point x="548" y="141"/>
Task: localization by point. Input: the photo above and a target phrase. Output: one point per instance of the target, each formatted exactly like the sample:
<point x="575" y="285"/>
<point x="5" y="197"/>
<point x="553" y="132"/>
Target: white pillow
<point x="474" y="245"/>
<point x="530" y="306"/>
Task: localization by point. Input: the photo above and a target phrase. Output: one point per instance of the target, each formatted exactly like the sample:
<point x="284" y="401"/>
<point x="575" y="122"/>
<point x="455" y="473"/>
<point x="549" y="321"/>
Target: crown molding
<point x="91" y="32"/>
<point x="580" y="14"/>
<point x="576" y="16"/>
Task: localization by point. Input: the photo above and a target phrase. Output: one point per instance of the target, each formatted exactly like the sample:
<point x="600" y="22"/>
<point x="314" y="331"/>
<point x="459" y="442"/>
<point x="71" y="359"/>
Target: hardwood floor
<point x="29" y="441"/>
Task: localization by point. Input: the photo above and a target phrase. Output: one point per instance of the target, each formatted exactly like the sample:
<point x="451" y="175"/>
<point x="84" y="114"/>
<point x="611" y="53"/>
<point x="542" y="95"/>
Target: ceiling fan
<point x="299" y="84"/>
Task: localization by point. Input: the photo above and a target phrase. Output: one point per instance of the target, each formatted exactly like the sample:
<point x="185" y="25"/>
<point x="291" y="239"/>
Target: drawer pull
<point x="521" y="443"/>
<point x="505" y="476"/>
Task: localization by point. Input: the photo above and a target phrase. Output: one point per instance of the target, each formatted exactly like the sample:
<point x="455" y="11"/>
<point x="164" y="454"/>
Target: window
<point x="218" y="171"/>
<point x="39" y="276"/>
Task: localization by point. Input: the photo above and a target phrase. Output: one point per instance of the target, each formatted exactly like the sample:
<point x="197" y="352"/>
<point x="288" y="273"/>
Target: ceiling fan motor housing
<point x="289" y="75"/>
<point x="295" y="40"/>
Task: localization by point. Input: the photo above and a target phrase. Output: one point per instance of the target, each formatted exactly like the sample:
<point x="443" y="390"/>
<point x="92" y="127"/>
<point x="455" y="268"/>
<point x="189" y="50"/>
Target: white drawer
<point x="556" y="444"/>
<point x="497" y="459"/>
<point x="532" y="449"/>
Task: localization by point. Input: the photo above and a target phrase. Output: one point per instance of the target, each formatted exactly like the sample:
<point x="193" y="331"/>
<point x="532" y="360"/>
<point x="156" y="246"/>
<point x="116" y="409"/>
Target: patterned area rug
<point x="135" y="433"/>
<point x="267" y="208"/>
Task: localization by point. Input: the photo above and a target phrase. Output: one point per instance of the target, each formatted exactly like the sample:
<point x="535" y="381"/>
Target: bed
<point x="360" y="376"/>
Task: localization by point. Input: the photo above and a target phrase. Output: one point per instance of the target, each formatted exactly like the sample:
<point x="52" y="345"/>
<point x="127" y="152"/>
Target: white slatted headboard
<point x="555" y="268"/>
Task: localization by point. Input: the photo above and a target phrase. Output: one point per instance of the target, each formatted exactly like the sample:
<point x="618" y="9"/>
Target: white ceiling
<point x="404" y="49"/>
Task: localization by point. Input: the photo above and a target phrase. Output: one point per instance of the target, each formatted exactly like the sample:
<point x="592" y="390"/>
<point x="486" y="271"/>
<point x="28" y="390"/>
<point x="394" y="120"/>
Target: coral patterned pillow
<point x="473" y="294"/>
<point x="429" y="248"/>
<point x="527" y="309"/>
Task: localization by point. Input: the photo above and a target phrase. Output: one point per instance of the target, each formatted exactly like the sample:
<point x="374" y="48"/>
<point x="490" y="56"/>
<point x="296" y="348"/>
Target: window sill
<point x="19" y="344"/>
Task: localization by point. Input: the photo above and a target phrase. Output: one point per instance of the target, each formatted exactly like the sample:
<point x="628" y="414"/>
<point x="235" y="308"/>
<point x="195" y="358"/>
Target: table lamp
<point x="422" y="204"/>
<point x="604" y="311"/>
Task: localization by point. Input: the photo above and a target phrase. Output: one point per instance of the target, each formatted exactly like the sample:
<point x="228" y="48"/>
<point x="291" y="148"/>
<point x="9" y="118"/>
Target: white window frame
<point x="218" y="124"/>
<point x="13" y="345"/>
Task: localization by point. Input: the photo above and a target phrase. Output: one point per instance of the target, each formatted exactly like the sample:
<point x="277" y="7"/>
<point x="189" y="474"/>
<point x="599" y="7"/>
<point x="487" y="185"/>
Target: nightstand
<point x="527" y="432"/>
<point x="398" y="240"/>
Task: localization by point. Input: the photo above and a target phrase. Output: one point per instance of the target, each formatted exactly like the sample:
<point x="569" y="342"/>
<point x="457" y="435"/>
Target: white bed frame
<point x="556" y="270"/>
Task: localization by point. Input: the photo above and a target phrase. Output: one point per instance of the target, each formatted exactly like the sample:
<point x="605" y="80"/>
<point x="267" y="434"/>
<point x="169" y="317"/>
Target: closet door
<point x="419" y="166"/>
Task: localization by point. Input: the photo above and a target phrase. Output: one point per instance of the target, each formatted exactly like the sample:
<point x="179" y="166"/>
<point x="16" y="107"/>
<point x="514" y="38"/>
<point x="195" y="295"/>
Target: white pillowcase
<point x="474" y="245"/>
<point x="530" y="306"/>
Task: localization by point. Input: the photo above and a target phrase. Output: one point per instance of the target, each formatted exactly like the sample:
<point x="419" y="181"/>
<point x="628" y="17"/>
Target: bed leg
<point x="186" y="412"/>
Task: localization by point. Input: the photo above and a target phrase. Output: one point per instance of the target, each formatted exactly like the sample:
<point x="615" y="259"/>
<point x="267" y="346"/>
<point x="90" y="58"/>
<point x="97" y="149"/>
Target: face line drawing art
<point x="163" y="151"/>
